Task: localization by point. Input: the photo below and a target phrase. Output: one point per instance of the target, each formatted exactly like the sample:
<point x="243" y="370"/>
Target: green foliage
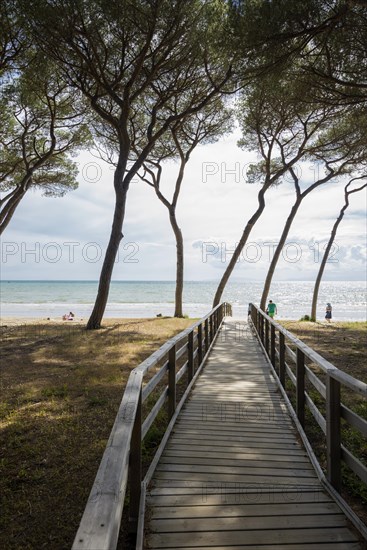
<point x="41" y="128"/>
<point x="43" y="124"/>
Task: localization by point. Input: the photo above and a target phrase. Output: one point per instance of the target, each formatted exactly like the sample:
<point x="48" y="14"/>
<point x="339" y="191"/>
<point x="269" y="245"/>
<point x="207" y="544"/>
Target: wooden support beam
<point x="135" y="470"/>
<point x="282" y="359"/>
<point x="300" y="389"/>
<point x="333" y="439"/>
<point x="171" y="381"/>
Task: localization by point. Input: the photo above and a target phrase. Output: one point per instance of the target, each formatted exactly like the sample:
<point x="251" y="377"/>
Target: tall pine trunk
<point x="179" y="263"/>
<point x="278" y="251"/>
<point x="237" y="252"/>
<point x="323" y="264"/>
<point x="96" y="316"/>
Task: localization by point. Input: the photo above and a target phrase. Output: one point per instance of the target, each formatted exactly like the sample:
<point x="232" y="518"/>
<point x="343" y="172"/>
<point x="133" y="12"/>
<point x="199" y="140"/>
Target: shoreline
<point x="7" y="321"/>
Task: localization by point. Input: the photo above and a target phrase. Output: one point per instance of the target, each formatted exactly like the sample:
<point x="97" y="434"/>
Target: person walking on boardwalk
<point x="271" y="309"/>
<point x="328" y="313"/>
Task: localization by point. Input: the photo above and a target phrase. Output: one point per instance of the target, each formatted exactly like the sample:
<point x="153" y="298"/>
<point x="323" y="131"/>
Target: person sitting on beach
<point x="328" y="312"/>
<point x="271" y="310"/>
<point x="68" y="317"/>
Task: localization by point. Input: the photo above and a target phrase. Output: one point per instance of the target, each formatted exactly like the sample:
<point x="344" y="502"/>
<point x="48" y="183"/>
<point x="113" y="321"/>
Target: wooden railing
<point x="121" y="463"/>
<point x="276" y="342"/>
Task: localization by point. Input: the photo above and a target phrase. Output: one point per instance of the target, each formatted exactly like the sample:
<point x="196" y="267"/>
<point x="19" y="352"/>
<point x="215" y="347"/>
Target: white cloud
<point x="215" y="200"/>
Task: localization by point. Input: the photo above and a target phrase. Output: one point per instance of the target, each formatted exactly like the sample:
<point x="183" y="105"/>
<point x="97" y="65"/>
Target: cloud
<point x="214" y="206"/>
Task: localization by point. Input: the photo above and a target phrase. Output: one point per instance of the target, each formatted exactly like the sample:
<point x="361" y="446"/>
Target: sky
<point x="65" y="238"/>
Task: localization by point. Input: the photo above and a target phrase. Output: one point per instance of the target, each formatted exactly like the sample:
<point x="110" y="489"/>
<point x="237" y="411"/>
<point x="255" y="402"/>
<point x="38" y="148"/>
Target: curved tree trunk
<point x="179" y="263"/>
<point x="278" y="251"/>
<point x="347" y="192"/>
<point x="8" y="210"/>
<point x="237" y="252"/>
<point x="323" y="264"/>
<point x="96" y="316"/>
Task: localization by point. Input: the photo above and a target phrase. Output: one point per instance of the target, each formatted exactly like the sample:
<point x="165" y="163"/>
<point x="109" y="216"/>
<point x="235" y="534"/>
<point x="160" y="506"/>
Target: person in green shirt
<point x="271" y="310"/>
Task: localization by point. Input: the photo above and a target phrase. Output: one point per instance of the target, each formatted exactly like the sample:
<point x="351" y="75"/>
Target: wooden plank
<point x="300" y="387"/>
<point x="333" y="435"/>
<point x="237" y="411"/>
<point x="243" y="523"/>
<point x="236" y="450"/>
<point x="180" y="352"/>
<point x="182" y="371"/>
<point x="354" y="420"/>
<point x="245" y="439"/>
<point x="183" y="479"/>
<point x="316" y="413"/>
<point x="149" y="387"/>
<point x="242" y="493"/>
<point x="234" y="455"/>
<point x="275" y="426"/>
<point x="237" y="415"/>
<point x="282" y="359"/>
<point x="255" y="537"/>
<point x="236" y="470"/>
<point x="190" y="361"/>
<point x="251" y="511"/>
<point x="354" y="464"/>
<point x="171" y="381"/>
<point x="320" y="386"/>
<point x="308" y="546"/>
<point x="153" y="413"/>
<point x="168" y="458"/>
<point x="256" y="503"/>
<point x="200" y="343"/>
<point x="267" y="434"/>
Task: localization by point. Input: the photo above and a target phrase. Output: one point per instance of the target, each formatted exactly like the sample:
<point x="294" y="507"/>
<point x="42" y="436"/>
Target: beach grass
<point x="60" y="390"/>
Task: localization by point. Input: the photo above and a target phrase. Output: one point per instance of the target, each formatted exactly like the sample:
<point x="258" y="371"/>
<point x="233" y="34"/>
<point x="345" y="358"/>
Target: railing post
<point x="300" y="389"/>
<point x="190" y="358"/>
<point x="333" y="440"/>
<point x="259" y="317"/>
<point x="267" y="336"/>
<point x="206" y="328"/>
<point x="282" y="359"/>
<point x="171" y="381"/>
<point x="135" y="469"/>
<point x="272" y="345"/>
<point x="254" y="316"/>
<point x="200" y="344"/>
<point x="211" y="328"/>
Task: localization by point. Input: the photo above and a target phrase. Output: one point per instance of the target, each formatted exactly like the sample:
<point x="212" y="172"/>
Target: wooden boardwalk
<point x="233" y="474"/>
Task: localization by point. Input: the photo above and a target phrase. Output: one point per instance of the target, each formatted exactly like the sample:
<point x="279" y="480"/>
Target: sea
<point x="138" y="299"/>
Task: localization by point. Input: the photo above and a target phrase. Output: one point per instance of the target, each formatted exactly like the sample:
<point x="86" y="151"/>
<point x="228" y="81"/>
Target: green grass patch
<point x="61" y="387"/>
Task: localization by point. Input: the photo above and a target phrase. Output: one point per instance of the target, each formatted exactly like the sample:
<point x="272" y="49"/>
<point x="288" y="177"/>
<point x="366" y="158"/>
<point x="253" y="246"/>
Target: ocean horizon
<point x="51" y="298"/>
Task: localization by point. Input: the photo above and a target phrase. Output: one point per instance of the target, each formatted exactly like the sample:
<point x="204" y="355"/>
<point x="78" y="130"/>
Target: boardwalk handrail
<point x="122" y="459"/>
<point x="335" y="411"/>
